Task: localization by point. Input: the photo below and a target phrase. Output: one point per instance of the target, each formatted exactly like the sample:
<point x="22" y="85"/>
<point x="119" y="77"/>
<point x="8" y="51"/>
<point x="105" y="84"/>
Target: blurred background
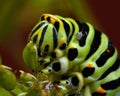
<point x="17" y="18"/>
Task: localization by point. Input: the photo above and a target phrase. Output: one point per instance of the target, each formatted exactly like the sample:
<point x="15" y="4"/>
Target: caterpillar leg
<point x="87" y="91"/>
<point x="74" y="83"/>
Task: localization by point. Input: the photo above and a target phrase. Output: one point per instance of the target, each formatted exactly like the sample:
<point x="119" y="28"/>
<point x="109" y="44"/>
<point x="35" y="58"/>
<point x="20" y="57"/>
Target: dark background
<point x="17" y="18"/>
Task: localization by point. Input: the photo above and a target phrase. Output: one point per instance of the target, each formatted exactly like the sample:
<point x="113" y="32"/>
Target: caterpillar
<point x="75" y="54"/>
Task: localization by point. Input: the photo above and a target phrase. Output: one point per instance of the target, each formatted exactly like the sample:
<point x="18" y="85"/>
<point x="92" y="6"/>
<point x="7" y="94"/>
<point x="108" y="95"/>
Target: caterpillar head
<point x="45" y="37"/>
<point x="42" y="41"/>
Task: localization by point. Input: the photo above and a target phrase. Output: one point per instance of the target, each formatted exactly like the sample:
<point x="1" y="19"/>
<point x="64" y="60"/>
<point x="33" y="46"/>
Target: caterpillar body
<point x="76" y="55"/>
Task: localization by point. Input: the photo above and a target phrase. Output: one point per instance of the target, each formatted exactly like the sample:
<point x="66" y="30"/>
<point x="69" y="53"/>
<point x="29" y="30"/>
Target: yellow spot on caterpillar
<point x="62" y="41"/>
<point x="101" y="90"/>
<point x="89" y="65"/>
<point x="72" y="47"/>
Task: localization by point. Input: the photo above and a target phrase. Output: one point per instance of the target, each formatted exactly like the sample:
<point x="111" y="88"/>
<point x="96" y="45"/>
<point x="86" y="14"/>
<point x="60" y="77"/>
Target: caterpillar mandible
<point x="75" y="54"/>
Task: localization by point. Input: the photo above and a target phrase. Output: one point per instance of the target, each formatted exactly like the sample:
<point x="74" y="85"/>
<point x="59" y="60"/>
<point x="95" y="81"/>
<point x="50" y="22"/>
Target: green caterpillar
<point x="75" y="54"/>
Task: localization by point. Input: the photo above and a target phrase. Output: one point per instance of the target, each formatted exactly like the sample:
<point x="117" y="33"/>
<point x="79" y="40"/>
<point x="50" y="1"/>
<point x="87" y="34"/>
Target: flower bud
<point x="7" y="79"/>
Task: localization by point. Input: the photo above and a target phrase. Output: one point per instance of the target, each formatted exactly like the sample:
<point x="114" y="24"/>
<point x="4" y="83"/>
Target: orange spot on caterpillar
<point x="108" y="51"/>
<point x="53" y="19"/>
<point x="89" y="65"/>
<point x="45" y="16"/>
<point x="101" y="90"/>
